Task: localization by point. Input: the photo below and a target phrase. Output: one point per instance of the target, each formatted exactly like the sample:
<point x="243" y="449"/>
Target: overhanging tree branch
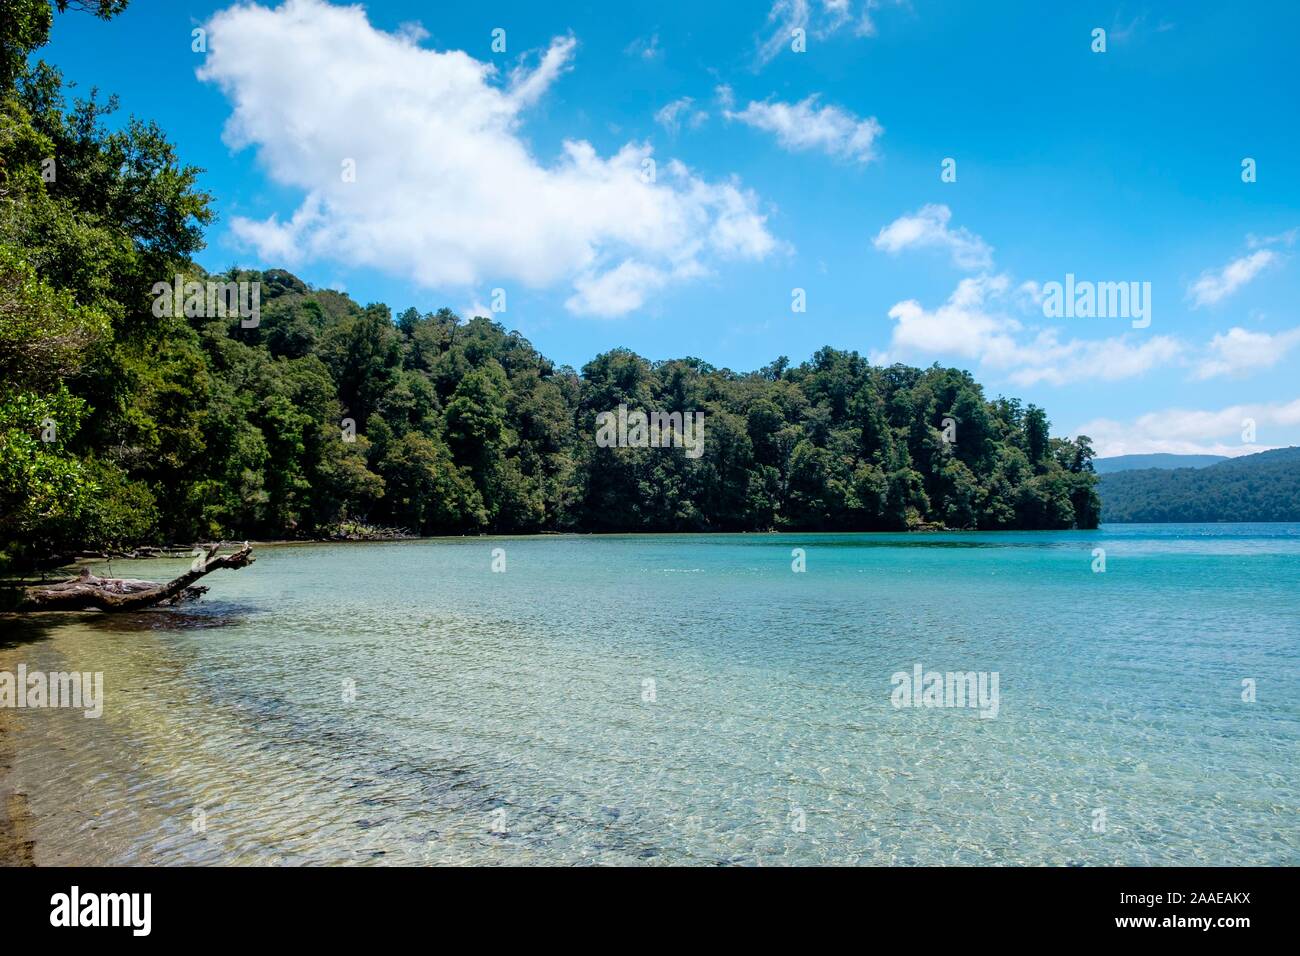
<point x="87" y="592"/>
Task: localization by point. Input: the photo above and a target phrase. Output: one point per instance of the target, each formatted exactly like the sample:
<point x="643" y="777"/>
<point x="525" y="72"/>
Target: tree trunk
<point x="87" y="592"/>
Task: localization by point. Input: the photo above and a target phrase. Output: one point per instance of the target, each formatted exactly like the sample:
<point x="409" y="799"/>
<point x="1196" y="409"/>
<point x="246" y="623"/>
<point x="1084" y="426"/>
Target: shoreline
<point x="14" y="579"/>
<point x="16" y="844"/>
<point x="150" y="551"/>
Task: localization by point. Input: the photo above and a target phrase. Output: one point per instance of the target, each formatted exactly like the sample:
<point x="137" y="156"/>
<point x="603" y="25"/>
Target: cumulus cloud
<point x="623" y="288"/>
<point x="989" y="321"/>
<point x="962" y="326"/>
<point x="928" y="228"/>
<point x="413" y="30"/>
<point x="1215" y="286"/>
<point x="976" y="324"/>
<point x="806" y="126"/>
<point x="1052" y="361"/>
<point x="446" y="190"/>
<point x="1238" y="351"/>
<point x="1181" y="431"/>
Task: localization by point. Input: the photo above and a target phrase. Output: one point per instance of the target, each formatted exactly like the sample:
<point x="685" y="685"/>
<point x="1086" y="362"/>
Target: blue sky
<point x="773" y="170"/>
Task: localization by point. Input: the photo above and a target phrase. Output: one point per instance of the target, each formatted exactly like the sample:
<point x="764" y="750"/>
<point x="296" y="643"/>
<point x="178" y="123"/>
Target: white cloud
<point x="928" y="228"/>
<point x="529" y="86"/>
<point x="623" y="288"/>
<point x="413" y="30"/>
<point x="804" y="126"/>
<point x="670" y="116"/>
<point x="818" y="18"/>
<point x="865" y="25"/>
<point x="1182" y="431"/>
<point x="961" y="326"/>
<point x="839" y="10"/>
<point x="1287" y="238"/>
<point x="987" y="320"/>
<point x="1239" y="351"/>
<point x="1029" y="295"/>
<point x="446" y="191"/>
<point x="1047" y="359"/>
<point x="787" y="15"/>
<point x="973" y="324"/>
<point x="645" y="48"/>
<point x="1122" y="34"/>
<point x="1213" y="287"/>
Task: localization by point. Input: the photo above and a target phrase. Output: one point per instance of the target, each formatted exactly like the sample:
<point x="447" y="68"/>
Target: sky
<point x="740" y="181"/>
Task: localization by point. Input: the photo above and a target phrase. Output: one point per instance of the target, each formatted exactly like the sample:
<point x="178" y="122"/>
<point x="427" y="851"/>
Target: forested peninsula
<point x="122" y="424"/>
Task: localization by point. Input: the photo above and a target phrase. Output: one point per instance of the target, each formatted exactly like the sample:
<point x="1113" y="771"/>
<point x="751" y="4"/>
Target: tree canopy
<point x="1261" y="487"/>
<point x="119" y="426"/>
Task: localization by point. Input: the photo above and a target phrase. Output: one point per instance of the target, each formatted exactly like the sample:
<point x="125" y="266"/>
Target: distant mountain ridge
<point x="1106" y="466"/>
<point x="1260" y="487"/>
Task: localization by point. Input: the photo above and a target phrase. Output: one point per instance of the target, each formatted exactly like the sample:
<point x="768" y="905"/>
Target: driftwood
<point x="355" y="530"/>
<point x="88" y="592"/>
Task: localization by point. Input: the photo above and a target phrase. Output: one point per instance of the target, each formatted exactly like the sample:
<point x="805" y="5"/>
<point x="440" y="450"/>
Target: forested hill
<point x="123" y="423"/>
<point x="1262" y="487"/>
<point x="330" y="411"/>
<point x="1104" y="466"/>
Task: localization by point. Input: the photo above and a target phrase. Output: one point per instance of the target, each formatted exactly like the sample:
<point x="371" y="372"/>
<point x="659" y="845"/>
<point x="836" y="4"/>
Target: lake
<point x="688" y="699"/>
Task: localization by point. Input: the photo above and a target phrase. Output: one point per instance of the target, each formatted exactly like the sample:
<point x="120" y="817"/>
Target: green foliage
<point x="329" y="415"/>
<point x="43" y="333"/>
<point x="1262" y="487"/>
<point x="42" y="485"/>
<point x="463" y="427"/>
<point x="24" y="27"/>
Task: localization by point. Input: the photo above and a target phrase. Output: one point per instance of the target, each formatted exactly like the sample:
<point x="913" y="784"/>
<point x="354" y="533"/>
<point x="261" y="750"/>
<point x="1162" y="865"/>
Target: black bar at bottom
<point x="332" y="906"/>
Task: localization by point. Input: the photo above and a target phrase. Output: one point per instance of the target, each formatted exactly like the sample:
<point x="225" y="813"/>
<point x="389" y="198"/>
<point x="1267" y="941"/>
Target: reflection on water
<point x="678" y="699"/>
<point x="188" y="617"/>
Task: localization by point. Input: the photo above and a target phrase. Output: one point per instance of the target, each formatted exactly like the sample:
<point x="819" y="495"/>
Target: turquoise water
<point x="509" y="717"/>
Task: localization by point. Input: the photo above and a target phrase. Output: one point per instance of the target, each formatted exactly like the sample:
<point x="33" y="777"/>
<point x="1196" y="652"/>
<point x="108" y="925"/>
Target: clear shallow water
<point x="499" y="718"/>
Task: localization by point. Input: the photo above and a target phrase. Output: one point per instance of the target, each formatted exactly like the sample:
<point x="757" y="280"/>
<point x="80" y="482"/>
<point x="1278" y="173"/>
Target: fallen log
<point x="87" y="592"/>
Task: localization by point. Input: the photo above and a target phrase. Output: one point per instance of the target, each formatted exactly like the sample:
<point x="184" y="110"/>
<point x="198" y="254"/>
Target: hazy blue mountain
<point x="1106" y="466"/>
<point x="1262" y="487"/>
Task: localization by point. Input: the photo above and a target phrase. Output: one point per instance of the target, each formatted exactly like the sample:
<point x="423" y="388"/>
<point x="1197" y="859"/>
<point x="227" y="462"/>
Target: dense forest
<point x="121" y="426"/>
<point x="1262" y="487"/>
